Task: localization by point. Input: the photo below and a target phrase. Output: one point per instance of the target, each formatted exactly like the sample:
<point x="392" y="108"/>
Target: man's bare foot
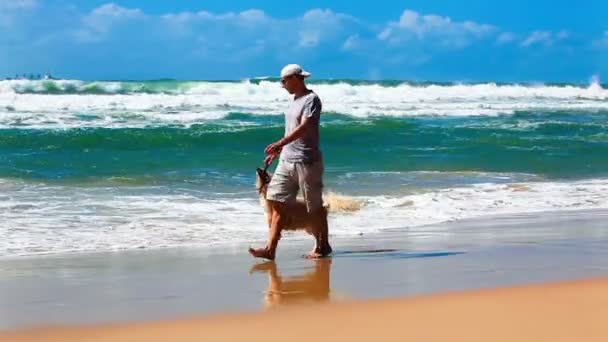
<point x="261" y="253"/>
<point x="317" y="253"/>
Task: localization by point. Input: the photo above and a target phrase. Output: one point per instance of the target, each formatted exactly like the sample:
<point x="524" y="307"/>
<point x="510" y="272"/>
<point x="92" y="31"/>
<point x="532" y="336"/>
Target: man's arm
<point x="276" y="147"/>
<point x="310" y="116"/>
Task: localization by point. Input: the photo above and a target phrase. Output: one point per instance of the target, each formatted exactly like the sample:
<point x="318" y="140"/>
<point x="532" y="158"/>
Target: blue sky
<point x="467" y="40"/>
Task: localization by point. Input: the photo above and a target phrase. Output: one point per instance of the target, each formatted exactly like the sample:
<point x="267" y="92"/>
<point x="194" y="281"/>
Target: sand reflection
<point x="310" y="287"/>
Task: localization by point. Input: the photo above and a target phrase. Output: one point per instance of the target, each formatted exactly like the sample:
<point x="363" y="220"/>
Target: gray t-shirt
<point x="306" y="148"/>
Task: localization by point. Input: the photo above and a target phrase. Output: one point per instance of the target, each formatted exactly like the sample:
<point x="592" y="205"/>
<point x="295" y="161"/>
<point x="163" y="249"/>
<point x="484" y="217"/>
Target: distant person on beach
<point x="300" y="167"/>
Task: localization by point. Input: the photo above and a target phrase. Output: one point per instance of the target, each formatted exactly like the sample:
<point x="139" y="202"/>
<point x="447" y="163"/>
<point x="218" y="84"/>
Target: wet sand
<point x="127" y="288"/>
<point x="569" y="311"/>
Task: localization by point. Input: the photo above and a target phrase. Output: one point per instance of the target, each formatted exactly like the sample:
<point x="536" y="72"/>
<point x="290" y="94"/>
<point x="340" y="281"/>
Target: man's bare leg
<point x="274" y="235"/>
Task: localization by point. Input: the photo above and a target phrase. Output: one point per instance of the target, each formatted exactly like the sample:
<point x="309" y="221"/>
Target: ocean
<point x="105" y="166"/>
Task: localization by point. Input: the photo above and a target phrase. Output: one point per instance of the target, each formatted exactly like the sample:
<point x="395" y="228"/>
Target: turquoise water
<point x="555" y="145"/>
<point x="121" y="165"/>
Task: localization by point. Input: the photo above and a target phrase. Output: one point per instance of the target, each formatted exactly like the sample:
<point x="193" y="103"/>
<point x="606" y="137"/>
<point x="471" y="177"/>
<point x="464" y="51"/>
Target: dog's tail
<point x="336" y="203"/>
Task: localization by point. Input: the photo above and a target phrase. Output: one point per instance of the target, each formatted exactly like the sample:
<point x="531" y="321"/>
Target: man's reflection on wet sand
<point x="310" y="287"/>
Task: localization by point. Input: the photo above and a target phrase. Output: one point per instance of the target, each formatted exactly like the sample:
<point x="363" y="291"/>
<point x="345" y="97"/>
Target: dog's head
<point x="262" y="178"/>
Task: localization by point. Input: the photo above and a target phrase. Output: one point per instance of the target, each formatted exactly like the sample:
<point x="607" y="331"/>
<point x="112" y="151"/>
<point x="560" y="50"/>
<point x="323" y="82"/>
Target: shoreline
<point x="565" y="311"/>
<point x="162" y="285"/>
<point x="298" y="239"/>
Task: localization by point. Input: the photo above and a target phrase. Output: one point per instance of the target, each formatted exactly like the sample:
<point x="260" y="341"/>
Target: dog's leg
<point x="277" y="222"/>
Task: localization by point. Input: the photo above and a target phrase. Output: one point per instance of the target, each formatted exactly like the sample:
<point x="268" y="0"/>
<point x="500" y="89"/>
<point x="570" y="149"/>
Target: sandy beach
<point x="511" y="278"/>
<point x="569" y="311"/>
<point x="160" y="285"/>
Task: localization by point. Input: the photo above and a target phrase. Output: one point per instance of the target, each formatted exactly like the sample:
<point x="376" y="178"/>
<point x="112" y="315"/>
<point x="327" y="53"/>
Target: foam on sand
<point x="109" y="218"/>
<point x="341" y="203"/>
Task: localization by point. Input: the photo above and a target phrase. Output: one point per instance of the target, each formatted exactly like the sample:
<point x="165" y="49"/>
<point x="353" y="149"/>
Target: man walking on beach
<point x="300" y="165"/>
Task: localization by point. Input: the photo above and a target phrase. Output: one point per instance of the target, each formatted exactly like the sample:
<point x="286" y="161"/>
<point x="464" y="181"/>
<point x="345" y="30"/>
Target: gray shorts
<point x="290" y="177"/>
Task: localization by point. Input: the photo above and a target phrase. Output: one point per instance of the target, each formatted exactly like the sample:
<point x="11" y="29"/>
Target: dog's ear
<point x="260" y="175"/>
<point x="262" y="178"/>
<point x="263" y="175"/>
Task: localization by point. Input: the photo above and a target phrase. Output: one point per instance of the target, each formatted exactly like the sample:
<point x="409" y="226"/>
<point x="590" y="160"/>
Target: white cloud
<point x="434" y="29"/>
<point x="309" y="38"/>
<point x="11" y="10"/>
<point x="115" y="11"/>
<point x="253" y="16"/>
<point x="538" y="37"/>
<point x="251" y="36"/>
<point x="506" y="38"/>
<point x="563" y="34"/>
<point x="317" y="25"/>
<point x="248" y="32"/>
<point x="352" y="42"/>
<point x="311" y="28"/>
<point x="322" y="15"/>
<point x="18" y="4"/>
<point x="544" y="38"/>
<point x="102" y="19"/>
<point x="385" y="34"/>
<point x="192" y="23"/>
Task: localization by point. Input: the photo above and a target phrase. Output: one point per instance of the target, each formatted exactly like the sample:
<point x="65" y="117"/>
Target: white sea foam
<point x="53" y="219"/>
<point x="484" y="199"/>
<point x="197" y="102"/>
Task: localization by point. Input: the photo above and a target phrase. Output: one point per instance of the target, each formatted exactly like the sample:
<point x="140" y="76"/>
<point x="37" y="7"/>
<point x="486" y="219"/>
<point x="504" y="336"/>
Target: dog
<point x="295" y="216"/>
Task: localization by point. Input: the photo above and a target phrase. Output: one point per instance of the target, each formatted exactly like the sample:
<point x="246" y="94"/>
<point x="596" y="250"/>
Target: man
<point x="300" y="165"/>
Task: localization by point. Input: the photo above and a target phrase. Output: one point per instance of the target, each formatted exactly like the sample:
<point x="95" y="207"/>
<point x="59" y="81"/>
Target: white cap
<point x="293" y="69"/>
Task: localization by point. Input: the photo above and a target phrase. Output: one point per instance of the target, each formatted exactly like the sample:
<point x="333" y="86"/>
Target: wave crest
<point x="42" y="103"/>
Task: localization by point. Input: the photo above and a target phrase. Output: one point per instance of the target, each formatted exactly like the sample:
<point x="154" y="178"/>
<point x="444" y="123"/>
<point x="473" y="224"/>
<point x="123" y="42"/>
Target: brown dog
<point x="293" y="216"/>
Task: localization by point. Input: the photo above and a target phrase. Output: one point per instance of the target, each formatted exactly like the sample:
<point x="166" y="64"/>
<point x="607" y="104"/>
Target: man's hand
<point x="269" y="159"/>
<point x="273" y="149"/>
